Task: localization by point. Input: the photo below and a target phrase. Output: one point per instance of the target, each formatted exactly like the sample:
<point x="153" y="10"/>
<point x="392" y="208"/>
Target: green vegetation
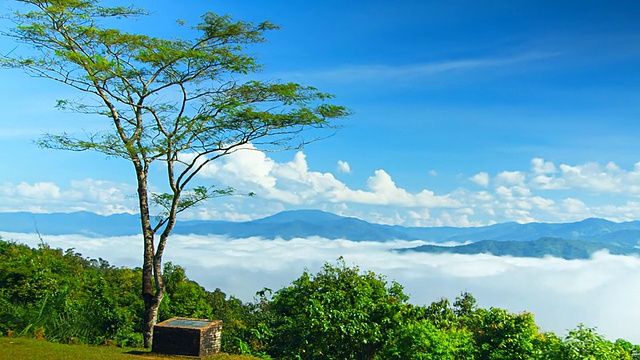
<point x="62" y="297"/>
<point x="339" y="313"/>
<point x="355" y="314"/>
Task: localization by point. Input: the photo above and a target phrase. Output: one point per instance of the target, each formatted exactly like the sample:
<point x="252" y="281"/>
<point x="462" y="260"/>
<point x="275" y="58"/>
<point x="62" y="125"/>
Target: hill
<point x="556" y="247"/>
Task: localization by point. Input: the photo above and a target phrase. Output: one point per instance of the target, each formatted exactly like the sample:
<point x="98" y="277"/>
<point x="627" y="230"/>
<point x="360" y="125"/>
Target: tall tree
<point x="176" y="102"/>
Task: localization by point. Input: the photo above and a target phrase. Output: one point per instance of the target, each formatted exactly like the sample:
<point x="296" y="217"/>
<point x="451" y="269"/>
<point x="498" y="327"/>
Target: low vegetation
<point x="341" y="312"/>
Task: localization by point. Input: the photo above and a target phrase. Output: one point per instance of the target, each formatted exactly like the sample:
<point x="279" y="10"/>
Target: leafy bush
<point x="339" y="313"/>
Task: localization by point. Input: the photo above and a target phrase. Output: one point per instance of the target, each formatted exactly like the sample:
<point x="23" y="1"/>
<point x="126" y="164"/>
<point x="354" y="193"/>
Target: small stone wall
<point x="186" y="336"/>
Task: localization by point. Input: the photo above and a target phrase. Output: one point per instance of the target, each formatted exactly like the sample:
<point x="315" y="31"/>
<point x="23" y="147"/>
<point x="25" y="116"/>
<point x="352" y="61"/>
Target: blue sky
<point x="465" y="113"/>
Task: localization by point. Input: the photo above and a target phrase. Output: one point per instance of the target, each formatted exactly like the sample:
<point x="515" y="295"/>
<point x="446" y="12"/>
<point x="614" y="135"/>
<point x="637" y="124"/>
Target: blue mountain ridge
<point x="305" y="223"/>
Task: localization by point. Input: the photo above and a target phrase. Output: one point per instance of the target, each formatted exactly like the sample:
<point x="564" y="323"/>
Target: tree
<point x="186" y="298"/>
<point x="174" y="102"/>
<point x="339" y="313"/>
<point x="500" y="334"/>
<point x="585" y="343"/>
<point x="423" y="340"/>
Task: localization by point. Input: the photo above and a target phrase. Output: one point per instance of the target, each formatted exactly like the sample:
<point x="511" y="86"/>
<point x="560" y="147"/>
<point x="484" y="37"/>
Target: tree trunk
<point x="152" y="290"/>
<point x="152" y="284"/>
<point x="151" y="306"/>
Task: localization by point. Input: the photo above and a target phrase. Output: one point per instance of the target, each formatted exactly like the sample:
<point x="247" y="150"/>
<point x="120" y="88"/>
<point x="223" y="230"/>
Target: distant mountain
<point x="561" y="248"/>
<point x="311" y="216"/>
<point x="306" y="223"/>
<point x="297" y="224"/>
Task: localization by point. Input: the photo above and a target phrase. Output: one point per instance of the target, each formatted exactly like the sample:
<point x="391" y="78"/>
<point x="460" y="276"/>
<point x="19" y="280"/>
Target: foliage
<point x="178" y="103"/>
<point x="63" y="297"/>
<point x="423" y="340"/>
<point x="184" y="297"/>
<point x="585" y="343"/>
<point x="501" y="335"/>
<point x="339" y="313"/>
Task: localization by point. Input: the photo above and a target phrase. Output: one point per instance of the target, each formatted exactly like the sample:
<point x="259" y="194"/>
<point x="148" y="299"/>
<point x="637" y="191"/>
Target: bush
<point x="339" y="313"/>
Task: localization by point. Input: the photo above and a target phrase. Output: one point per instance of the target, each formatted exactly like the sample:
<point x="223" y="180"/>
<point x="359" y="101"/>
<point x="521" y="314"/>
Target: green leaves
<point x="60" y="295"/>
<point x="339" y="313"/>
<point x="423" y="340"/>
<point x="500" y="334"/>
<point x="222" y="29"/>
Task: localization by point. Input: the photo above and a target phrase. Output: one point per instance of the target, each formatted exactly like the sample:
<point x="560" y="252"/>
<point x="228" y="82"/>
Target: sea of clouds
<point x="600" y="292"/>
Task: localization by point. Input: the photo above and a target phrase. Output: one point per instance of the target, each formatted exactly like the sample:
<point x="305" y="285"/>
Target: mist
<point x="599" y="292"/>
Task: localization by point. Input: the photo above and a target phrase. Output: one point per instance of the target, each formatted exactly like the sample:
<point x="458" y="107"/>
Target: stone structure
<point x="185" y="336"/>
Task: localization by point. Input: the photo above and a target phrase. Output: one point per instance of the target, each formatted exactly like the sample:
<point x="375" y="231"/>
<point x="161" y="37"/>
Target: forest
<point x="341" y="312"/>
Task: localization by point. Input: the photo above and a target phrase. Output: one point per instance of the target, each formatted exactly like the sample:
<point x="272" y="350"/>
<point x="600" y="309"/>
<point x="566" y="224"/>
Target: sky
<point x="466" y="113"/>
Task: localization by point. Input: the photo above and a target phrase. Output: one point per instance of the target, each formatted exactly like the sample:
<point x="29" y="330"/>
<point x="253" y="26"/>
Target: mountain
<point x="306" y="223"/>
<point x="297" y="224"/>
<point x="556" y="247"/>
<point x="311" y="216"/>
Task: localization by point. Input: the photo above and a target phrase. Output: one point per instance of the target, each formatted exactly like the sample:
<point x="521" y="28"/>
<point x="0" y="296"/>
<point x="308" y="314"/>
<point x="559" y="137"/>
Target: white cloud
<point x="293" y="183"/>
<point x="540" y="166"/>
<point x="384" y="191"/>
<point x="510" y="178"/>
<point x="102" y="197"/>
<point x="38" y="191"/>
<point x="545" y="193"/>
<point x="481" y="179"/>
<point x="344" y="167"/>
<point x="574" y="206"/>
<point x="591" y="176"/>
<point x="544" y="182"/>
<point x="598" y="292"/>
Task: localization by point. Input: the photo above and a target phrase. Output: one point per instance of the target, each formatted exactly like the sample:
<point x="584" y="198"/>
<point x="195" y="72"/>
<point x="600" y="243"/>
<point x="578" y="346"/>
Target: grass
<point x="28" y="349"/>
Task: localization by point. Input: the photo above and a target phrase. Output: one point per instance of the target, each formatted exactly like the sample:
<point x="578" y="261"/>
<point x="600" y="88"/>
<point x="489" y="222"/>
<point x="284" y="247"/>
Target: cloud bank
<point x="599" y="292"/>
<point x="545" y="192"/>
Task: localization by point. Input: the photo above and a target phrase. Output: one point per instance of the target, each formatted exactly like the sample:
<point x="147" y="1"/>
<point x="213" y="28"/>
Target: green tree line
<point x="341" y="312"/>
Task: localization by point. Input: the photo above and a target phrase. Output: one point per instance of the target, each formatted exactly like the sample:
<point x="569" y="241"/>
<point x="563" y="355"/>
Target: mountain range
<point x="499" y="239"/>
